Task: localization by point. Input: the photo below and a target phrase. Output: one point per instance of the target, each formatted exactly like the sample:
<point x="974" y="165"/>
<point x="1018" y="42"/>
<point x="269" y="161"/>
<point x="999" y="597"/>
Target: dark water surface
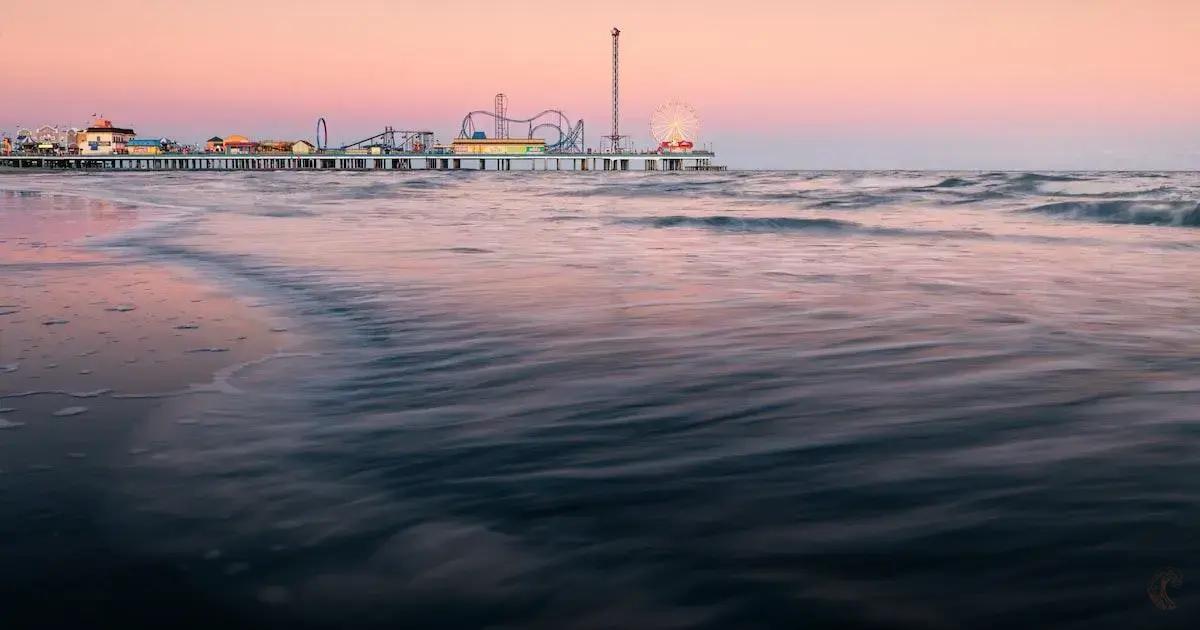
<point x="597" y="400"/>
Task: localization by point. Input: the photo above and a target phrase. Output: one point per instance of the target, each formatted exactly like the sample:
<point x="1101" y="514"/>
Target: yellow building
<point x="102" y="138"/>
<point x="145" y="146"/>
<point x="498" y="146"/>
<point x="303" y="147"/>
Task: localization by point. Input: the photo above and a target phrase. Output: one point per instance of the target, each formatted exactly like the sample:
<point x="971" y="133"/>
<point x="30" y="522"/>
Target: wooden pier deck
<point x="330" y="161"/>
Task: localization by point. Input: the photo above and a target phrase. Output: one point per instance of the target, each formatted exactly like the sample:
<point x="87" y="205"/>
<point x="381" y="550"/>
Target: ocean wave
<point x="653" y="188"/>
<point x="820" y="225"/>
<point x="951" y="182"/>
<point x="1021" y="184"/>
<point x="282" y="213"/>
<point x="962" y="198"/>
<point x="1046" y="177"/>
<point x="855" y="200"/>
<point x="1163" y="192"/>
<point x="1135" y="212"/>
<point x="744" y="224"/>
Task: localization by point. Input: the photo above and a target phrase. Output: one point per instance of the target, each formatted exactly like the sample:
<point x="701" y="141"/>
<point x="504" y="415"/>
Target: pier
<point x="338" y="161"/>
<point x="546" y="141"/>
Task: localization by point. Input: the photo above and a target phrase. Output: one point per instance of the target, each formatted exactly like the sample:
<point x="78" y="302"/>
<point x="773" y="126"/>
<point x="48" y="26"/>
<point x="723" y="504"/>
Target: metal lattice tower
<point x="501" y="116"/>
<point x="616" y="76"/>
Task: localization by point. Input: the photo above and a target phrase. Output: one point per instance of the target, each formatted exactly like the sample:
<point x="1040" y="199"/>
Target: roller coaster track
<point x="409" y="141"/>
<point x="570" y="138"/>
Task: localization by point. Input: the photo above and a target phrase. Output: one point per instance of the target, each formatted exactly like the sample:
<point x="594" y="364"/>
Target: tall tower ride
<point x="615" y="138"/>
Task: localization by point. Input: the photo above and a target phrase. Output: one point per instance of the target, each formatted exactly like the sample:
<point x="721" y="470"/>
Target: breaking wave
<point x="1044" y="177"/>
<point x="1135" y="212"/>
<point x="952" y="182"/>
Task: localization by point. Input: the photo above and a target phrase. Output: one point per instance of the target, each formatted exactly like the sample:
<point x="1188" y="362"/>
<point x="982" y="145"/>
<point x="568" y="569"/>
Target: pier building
<point x="498" y="146"/>
<point x="102" y="138"/>
<point x="146" y="146"/>
<point x="236" y="144"/>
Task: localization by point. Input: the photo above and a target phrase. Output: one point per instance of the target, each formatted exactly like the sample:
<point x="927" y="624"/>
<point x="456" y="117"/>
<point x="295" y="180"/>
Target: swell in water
<point x="748" y="400"/>
<point x="1137" y="212"/>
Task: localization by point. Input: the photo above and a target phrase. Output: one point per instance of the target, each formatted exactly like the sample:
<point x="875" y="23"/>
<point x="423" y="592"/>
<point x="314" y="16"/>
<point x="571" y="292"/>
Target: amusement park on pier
<point x="487" y="139"/>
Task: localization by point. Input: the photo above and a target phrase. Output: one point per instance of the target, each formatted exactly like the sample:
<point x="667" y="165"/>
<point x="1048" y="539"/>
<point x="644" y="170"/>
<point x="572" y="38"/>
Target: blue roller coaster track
<point x="569" y="138"/>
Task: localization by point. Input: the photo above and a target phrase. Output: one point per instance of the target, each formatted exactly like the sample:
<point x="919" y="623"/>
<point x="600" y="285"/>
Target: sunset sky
<point x="1016" y="84"/>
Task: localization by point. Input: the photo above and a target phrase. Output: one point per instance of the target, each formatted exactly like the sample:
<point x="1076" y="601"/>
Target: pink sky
<point x="980" y="83"/>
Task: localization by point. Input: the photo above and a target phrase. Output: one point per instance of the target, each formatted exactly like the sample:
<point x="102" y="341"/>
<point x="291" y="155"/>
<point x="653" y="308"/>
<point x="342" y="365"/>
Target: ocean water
<point x="601" y="400"/>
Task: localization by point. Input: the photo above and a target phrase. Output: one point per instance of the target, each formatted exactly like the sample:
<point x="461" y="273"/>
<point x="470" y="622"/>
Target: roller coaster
<point x="389" y="140"/>
<point x="404" y="141"/>
<point x="565" y="137"/>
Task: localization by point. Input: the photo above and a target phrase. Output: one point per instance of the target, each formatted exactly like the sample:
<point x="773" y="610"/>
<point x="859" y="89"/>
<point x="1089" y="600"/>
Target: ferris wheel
<point x="674" y="123"/>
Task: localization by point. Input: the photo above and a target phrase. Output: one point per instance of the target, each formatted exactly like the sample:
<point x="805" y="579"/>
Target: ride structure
<point x="615" y="142"/>
<point x="501" y="116"/>
<point x="322" y="134"/>
<point x="564" y="137"/>
<point x="675" y="126"/>
<point x="394" y="140"/>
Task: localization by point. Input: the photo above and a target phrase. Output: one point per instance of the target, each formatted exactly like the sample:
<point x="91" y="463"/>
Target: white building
<point x="102" y="138"/>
